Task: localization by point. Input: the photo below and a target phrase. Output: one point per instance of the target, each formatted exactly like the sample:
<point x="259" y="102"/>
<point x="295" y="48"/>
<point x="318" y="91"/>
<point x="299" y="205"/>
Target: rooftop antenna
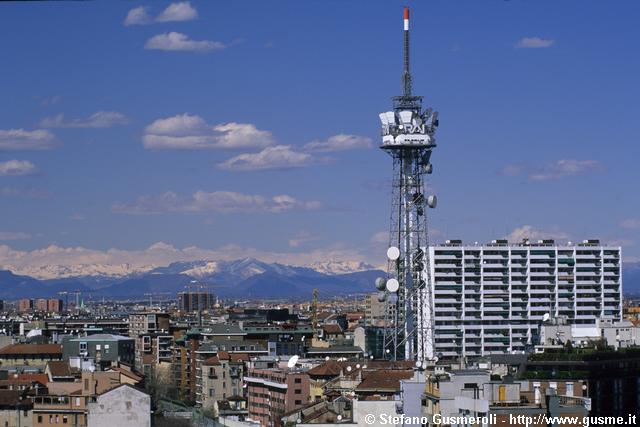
<point x="406" y="74"/>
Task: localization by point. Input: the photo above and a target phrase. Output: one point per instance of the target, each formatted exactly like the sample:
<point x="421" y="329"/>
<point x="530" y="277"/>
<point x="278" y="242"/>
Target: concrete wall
<point x="16" y="418"/>
<point x="121" y="407"/>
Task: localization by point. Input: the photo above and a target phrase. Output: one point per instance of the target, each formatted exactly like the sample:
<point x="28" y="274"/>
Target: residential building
<point x="148" y="322"/>
<point x="36" y="355"/>
<point x="123" y="406"/>
<point x="221" y="378"/>
<point x="103" y="348"/>
<point x="273" y="392"/>
<point x="491" y="299"/>
<point x="41" y="304"/>
<point x="192" y="301"/>
<point x="25" y="305"/>
<point x="55" y="305"/>
<point x="16" y="409"/>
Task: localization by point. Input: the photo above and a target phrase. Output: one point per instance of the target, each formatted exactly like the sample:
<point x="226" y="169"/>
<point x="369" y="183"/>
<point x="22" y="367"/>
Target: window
<point x="39" y="419"/>
<point x="297" y="380"/>
<point x="98" y="347"/>
<point x="128" y="405"/>
<point x="298" y="402"/>
<point x="297" y="391"/>
<point x="65" y="419"/>
<point x="570" y="389"/>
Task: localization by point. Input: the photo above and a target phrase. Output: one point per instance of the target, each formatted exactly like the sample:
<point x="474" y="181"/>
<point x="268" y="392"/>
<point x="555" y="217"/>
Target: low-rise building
<point x="123" y="406"/>
<point x="29" y="354"/>
<point x="103" y="348"/>
<point x="16" y="409"/>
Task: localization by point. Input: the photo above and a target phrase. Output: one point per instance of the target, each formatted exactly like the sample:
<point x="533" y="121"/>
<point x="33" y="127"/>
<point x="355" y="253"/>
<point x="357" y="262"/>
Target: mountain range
<point x="245" y="278"/>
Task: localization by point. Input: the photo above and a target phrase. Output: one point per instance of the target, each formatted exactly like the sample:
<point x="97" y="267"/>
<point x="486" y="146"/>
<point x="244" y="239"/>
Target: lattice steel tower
<point x="408" y="136"/>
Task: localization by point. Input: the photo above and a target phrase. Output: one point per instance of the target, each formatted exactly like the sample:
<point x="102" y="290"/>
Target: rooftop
<point x="31" y="349"/>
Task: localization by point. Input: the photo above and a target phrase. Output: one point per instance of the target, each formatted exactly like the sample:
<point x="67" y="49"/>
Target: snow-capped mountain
<point x="340" y="267"/>
<point x="48" y="272"/>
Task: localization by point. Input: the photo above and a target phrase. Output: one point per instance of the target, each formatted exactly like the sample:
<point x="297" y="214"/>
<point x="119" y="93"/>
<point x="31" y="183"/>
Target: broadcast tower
<point x="408" y="137"/>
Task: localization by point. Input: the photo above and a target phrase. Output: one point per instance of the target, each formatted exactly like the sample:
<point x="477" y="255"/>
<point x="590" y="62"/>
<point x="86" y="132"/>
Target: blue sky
<point x="250" y="127"/>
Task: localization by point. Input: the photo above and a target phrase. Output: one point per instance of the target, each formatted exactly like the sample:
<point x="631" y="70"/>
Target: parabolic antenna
<point x="546" y="317"/>
<point x="292" y="362"/>
<point x="393" y="253"/>
<point x="381" y="283"/>
<point x="393" y="285"/>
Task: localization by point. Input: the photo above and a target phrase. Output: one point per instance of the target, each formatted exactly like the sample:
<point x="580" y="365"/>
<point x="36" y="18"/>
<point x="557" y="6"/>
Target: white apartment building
<point x="492" y="298"/>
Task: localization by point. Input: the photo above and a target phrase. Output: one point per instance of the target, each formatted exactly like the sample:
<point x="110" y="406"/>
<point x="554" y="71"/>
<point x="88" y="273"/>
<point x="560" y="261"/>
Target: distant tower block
<point x="408" y="136"/>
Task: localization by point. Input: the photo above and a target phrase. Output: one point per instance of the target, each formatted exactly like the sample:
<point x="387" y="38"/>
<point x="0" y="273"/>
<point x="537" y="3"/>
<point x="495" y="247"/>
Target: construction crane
<point x="314" y="313"/>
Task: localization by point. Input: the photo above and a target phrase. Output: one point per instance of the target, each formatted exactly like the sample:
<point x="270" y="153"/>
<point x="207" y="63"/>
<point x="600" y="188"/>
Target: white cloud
<point x="17" y="167"/>
<point x="174" y="41"/>
<point x="277" y="157"/>
<point x="533" y="234"/>
<point x="24" y="193"/>
<point x="192" y="132"/>
<point x="181" y="11"/>
<point x="534" y="43"/>
<point x="12" y="235"/>
<point x="564" y="168"/>
<point x="175" y="12"/>
<point x="301" y="238"/>
<point x="379" y="238"/>
<point x="20" y="139"/>
<point x="630" y="223"/>
<point x="217" y="201"/>
<point x="553" y="170"/>
<point x="512" y="170"/>
<point x="340" y="142"/>
<point x="100" y="119"/>
<point x="138" y="16"/>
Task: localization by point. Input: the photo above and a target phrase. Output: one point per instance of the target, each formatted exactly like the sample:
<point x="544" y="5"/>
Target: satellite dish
<point x="357" y="366"/>
<point x="348" y="368"/>
<point x="546" y="317"/>
<point x="303" y="337"/>
<point x="428" y="168"/>
<point x="326" y="358"/>
<point x="380" y="283"/>
<point x="382" y="297"/>
<point x="292" y="362"/>
<point x="432" y="201"/>
<point x="339" y="417"/>
<point x="393" y="253"/>
<point x="365" y="366"/>
<point x="393" y="285"/>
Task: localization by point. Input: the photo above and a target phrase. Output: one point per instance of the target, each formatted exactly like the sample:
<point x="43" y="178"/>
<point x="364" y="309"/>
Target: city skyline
<point x="152" y="132"/>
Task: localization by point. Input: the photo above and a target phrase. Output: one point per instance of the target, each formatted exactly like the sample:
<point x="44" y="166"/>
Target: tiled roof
<point x="31" y="349"/>
<point x="332" y="328"/>
<point x="59" y="368"/>
<point x="212" y="361"/>
<point x="384" y="380"/>
<point x="13" y="399"/>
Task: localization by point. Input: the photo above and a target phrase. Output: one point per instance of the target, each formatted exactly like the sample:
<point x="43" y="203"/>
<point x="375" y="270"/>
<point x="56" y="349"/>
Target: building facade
<point x="273" y="392"/>
<point x="492" y="299"/>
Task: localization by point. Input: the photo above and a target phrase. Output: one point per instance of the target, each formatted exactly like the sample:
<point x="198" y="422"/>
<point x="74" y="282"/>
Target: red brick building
<point x="55" y="305"/>
<point x="25" y="305"/>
